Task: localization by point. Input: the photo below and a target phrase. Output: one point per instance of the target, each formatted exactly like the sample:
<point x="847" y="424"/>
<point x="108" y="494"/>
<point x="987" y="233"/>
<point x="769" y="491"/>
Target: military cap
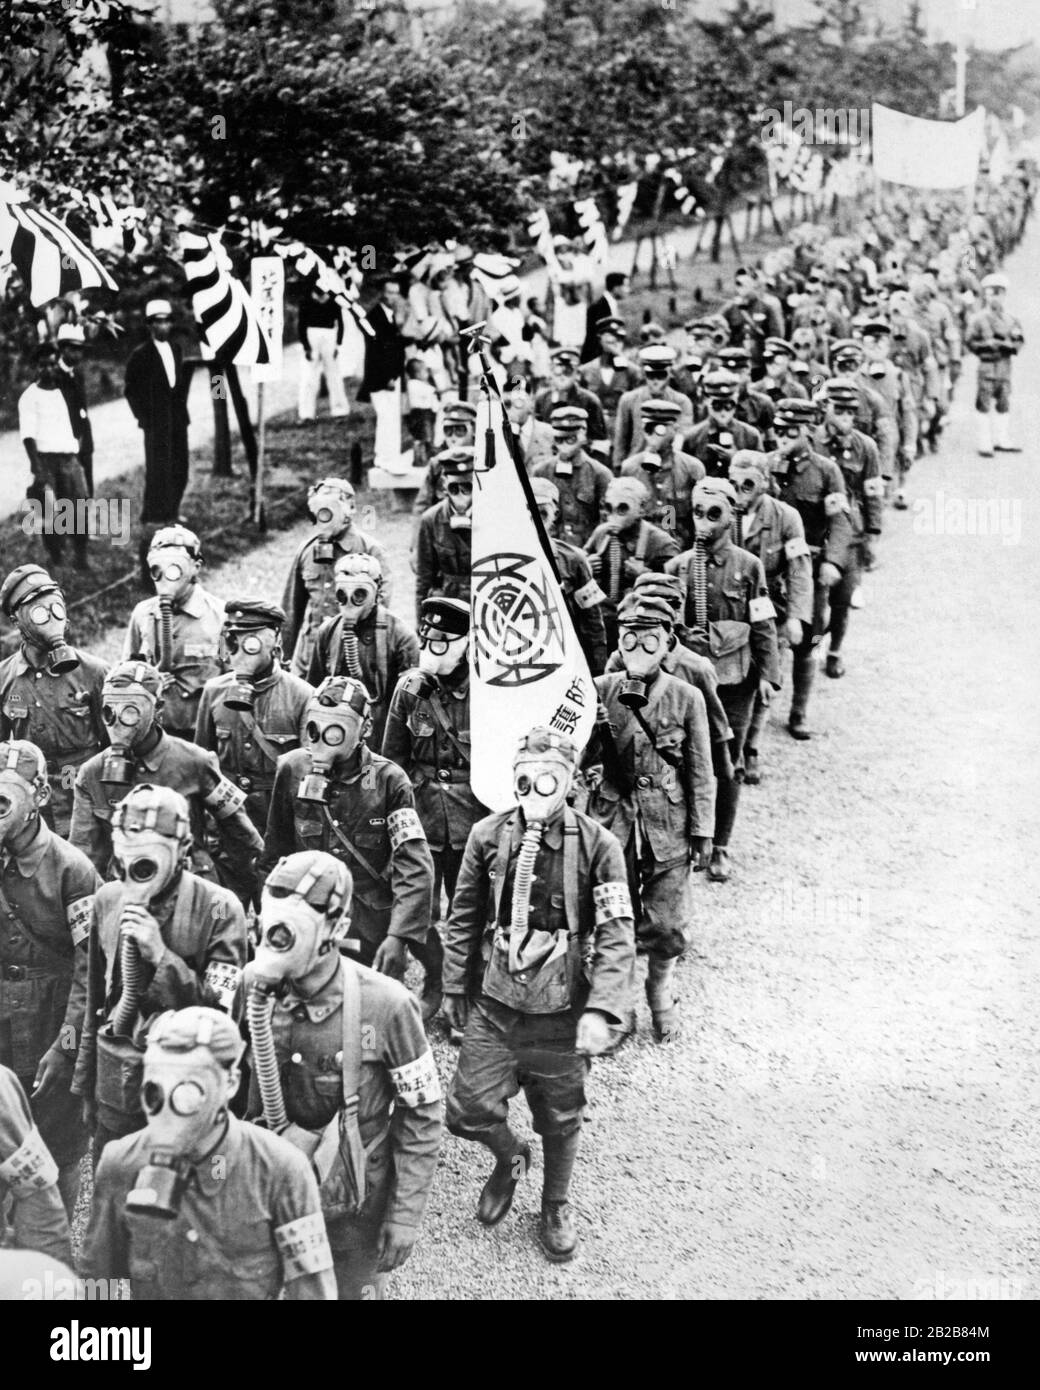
<point x="449" y="616"/>
<point x="340" y="485"/>
<point x="25" y="582"/>
<point x="875" y="328"/>
<point x="564" y="416"/>
<point x="997" y="280"/>
<point x="153" y="808"/>
<point x="715" y="487"/>
<point x="158" y="309"/>
<point x="721" y="384"/>
<point x="459" y="410"/>
<point x="542" y="742"/>
<point x="178" y="536"/>
<point x="666" y="586"/>
<point x="657" y="357"/>
<point x="800" y="368"/>
<point x="658" y="412"/>
<point x="734" y="355"/>
<point x="21" y="756"/>
<point x="751" y="458"/>
<point x="612" y="325"/>
<point x="246" y="614"/>
<point x="638" y="610"/>
<point x="777" y="347"/>
<point x="342" y="690"/>
<point x="709" y="324"/>
<point x="544" y="490"/>
<point x="126" y="675"/>
<point x="183" y="1030"/>
<point x="627" y="489"/>
<point x="565" y="356"/>
<point x="456" y="463"/>
<point x="793" y="411"/>
<point x="846" y="347"/>
<point x="839" y="391"/>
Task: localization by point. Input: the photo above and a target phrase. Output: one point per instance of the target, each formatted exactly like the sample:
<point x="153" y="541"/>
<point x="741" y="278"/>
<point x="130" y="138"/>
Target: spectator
<point x="321" y="334"/>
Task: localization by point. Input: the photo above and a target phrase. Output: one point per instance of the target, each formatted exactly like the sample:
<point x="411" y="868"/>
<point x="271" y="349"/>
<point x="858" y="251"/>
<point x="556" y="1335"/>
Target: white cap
<point x="996" y="281"/>
<point x="158" y="308"/>
<point x="71" y="333"/>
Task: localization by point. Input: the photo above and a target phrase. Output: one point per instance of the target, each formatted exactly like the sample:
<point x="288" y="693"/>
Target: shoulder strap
<point x="570" y="870"/>
<point x="261" y="738"/>
<point x="352" y="849"/>
<point x="444" y="724"/>
<point x="643" y="542"/>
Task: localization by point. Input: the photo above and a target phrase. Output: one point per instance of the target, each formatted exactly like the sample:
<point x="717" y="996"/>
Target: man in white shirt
<point x="50" y="441"/>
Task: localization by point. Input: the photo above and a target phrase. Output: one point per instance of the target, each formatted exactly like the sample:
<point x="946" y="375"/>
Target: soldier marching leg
<point x="738" y="701"/>
<point x="803" y="668"/>
<point x="841" y="606"/>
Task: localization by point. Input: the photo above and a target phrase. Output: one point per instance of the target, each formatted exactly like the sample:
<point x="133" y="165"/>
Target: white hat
<point x="506" y="288"/>
<point x="158" y="308"/>
<point x="71" y="333"/>
<point x="996" y="281"/>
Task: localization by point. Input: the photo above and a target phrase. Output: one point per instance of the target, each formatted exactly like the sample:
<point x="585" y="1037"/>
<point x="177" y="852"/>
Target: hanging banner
<point x="267" y="291"/>
<point x="926" y="154"/>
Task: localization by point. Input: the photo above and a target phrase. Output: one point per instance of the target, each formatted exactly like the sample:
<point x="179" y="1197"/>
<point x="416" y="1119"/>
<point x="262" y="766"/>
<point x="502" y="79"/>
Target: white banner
<point x="267" y="291"/>
<point x="527" y="667"/>
<point x="926" y="154"/>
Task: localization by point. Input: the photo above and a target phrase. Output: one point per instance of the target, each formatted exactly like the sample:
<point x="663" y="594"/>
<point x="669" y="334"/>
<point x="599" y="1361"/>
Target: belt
<point x="15" y="973"/>
<point x="442" y="774"/>
<point x="258" y="782"/>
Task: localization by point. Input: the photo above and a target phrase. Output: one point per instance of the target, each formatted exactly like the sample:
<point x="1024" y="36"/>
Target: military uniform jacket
<point x="429" y="738"/>
<point x="893" y="386"/>
<point x="371" y="808"/>
<point x="387" y="648"/>
<point x="857" y="457"/>
<point x="203" y="929"/>
<point x="670" y="483"/>
<point x="45" y="907"/>
<point x="583" y="485"/>
<point x="643" y="542"/>
<point x="736" y="592"/>
<point x="704" y="443"/>
<point x="28" y="1179"/>
<point x="249" y="1225"/>
<point x="444" y="555"/>
<point x="912" y="351"/>
<point x="584" y="599"/>
<point x="198" y="653"/>
<point x="624" y="376"/>
<point x="400" y="1106"/>
<point x="248" y="743"/>
<point x="994" y="337"/>
<point x="755" y="409"/>
<point x="775" y="534"/>
<point x="787" y="388"/>
<point x="187" y="769"/>
<point x="671" y="805"/>
<point x="310" y="595"/>
<point x="697" y="671"/>
<point x="595" y="910"/>
<point x="628" y="425"/>
<point x="60" y="713"/>
<point x="546" y="399"/>
<point x="814" y="486"/>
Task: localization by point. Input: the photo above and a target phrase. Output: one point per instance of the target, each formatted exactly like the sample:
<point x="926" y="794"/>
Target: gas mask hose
<point x="259" y="1007"/>
<point x="700" y="587"/>
<point x="130" y="967"/>
<point x="165" y="632"/>
<point x="614" y="558"/>
<point x="522" y="880"/>
<point x="351" y="655"/>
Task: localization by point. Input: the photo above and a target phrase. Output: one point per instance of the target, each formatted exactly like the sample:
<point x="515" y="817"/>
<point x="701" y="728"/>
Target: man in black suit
<point x="157" y="390"/>
<point x="384" y="368"/>
<point x="607" y="306"/>
<point x="71" y="342"/>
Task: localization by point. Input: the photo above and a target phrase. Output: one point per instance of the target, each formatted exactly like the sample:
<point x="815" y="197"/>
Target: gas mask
<point x="548" y="511"/>
<point x="624" y="501"/>
<point x="642" y="649"/>
<point x="790" y="439"/>
<point x="23" y="787"/>
<point x="541" y="782"/>
<point x="459" y="492"/>
<point x="776" y="368"/>
<point x="658" y="437"/>
<point x="876" y="348"/>
<point x="567" y="444"/>
<point x="173" y="570"/>
<point x="129" y="716"/>
<point x="337" y="722"/>
<point x="333" y="509"/>
<point x="721" y="411"/>
<point x="356" y="594"/>
<point x="441" y="653"/>
<point x="146" y="862"/>
<point x="304" y="913"/>
<point x="840" y="417"/>
<point x="42" y="622"/>
<point x="749" y="485"/>
<point x="253" y="654"/>
<point x="712" y="514"/>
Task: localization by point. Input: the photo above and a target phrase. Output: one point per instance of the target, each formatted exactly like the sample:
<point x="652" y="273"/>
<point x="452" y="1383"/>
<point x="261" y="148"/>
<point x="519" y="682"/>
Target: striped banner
<point x="345" y="288"/>
<point x="49" y="258"/>
<point x="228" y="322"/>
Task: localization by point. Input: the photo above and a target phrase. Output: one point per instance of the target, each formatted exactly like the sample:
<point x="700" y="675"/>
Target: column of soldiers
<point x="218" y="857"/>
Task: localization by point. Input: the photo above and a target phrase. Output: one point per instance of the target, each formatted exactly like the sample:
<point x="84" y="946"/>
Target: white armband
<point x="225" y="799"/>
<point x="835" y="502"/>
<point x="304" y="1246"/>
<point x="589" y="595"/>
<point x="418" y="1082"/>
<point x="31" y="1167"/>
<point x="611" y="900"/>
<point x="403" y="825"/>
<point x="223" y="979"/>
<point x="796" y="547"/>
<point x="79" y="918"/>
<point x="761" y="608"/>
<point x="873" y="487"/>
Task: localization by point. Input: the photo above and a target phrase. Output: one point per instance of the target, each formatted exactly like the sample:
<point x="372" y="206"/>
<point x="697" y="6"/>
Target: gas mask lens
<point x="459" y="489"/>
<point x="127" y="715"/>
<point x="544" y="784"/>
<point x="323" y="516"/>
<point x="280" y="937"/>
<point x="436" y="646"/>
<point x="41" y="613"/>
<point x="249" y="645"/>
<point x="186" y="1098"/>
<point x="333" y="735"/>
<point x="631" y="640"/>
<point x="172" y="574"/>
<point x="141" y="870"/>
<point x="702" y="513"/>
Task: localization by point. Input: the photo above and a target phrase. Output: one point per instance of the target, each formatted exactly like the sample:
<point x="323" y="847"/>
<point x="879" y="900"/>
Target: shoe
<point x="497" y="1194"/>
<point x="557" y="1232"/>
<point x="455" y="1036"/>
<point x="835" y="667"/>
<point x="899" y="502"/>
<point x="620" y="1034"/>
<point x="1007" y="449"/>
<point x="665" y="1024"/>
<point x="796" y="728"/>
<point x="430" y="1003"/>
<point x="752" y="776"/>
<point x="718" y="868"/>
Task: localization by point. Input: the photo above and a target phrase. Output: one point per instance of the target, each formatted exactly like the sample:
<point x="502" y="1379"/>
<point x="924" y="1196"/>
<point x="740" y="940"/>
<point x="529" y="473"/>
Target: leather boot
<point x="802" y="681"/>
<point x="660" y="995"/>
<point x="557" y="1232"/>
<point x="718" y="869"/>
<point x="556" y="1228"/>
<point x="512" y="1162"/>
<point x="752" y="774"/>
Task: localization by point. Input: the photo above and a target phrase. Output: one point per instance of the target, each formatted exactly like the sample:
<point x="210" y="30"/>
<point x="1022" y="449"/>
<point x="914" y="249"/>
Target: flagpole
<point x="258" y="485"/>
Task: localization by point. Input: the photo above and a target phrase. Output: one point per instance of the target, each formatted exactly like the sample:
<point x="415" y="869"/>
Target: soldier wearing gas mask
<point x="665" y="471"/>
<point x="342" y="1069"/>
<point x="625" y="546"/>
<point x="50" y="693"/>
<point x="334" y="794"/>
<point x="657" y="795"/>
<point x="893" y="385"/>
<point x="178" y="631"/>
<point x="581" y="593"/>
<point x="539" y="959"/>
<point x="29" y="1197"/>
<point x="255" y="713"/>
<point x="141" y="751"/>
<point x="159" y="938"/>
<point x="310" y="591"/>
<point x="716" y="438"/>
<point x="199" y="1205"/>
<point x="365" y="641"/>
<point x="45" y="904"/>
<point x="730" y="619"/>
<point x="444" y="547"/>
<point x="427" y="734"/>
<point x="773" y="531"/>
<point x="581" y="480"/>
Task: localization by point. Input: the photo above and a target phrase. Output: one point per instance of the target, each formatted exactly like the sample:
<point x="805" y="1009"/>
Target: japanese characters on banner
<point x="267" y="291"/>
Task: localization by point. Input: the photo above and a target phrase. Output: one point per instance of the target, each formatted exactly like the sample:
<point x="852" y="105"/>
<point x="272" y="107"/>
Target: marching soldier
<point x="50" y="693"/>
<point x="565" y="390"/>
<point x="753" y="407"/>
<point x="657" y="362"/>
<point x="142" y="752"/>
<point x="656" y="792"/>
<point x="581" y="593"/>
<point x="665" y="471"/>
<point x="729" y="618"/>
<point x="753" y="316"/>
<point x="814" y="486"/>
<point x="625" y="546"/>
<point x="366" y="640"/>
<point x="581" y="481"/>
<point x="893" y="385"/>
<point x="334" y="794"/>
<point x="310" y="589"/>
<point x="444" y="550"/>
<point x="857" y="457"/>
<point x="912" y="351"/>
<point x="29" y="1195"/>
<point x="459" y="426"/>
<point x="994" y="337"/>
<point x="160" y="938"/>
<point x="342" y="1069"/>
<point x="428" y="736"/>
<point x="874" y="418"/>
<point x="779" y="382"/>
<point x="255" y="713"/>
<point x="704" y="337"/>
<point x="178" y="631"/>
<point x="716" y="438"/>
<point x="773" y="531"/>
<point x="539" y="957"/>
<point x="200" y="1205"/>
<point x="45" y="898"/>
<point x="808" y="367"/>
<point x="611" y="374"/>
